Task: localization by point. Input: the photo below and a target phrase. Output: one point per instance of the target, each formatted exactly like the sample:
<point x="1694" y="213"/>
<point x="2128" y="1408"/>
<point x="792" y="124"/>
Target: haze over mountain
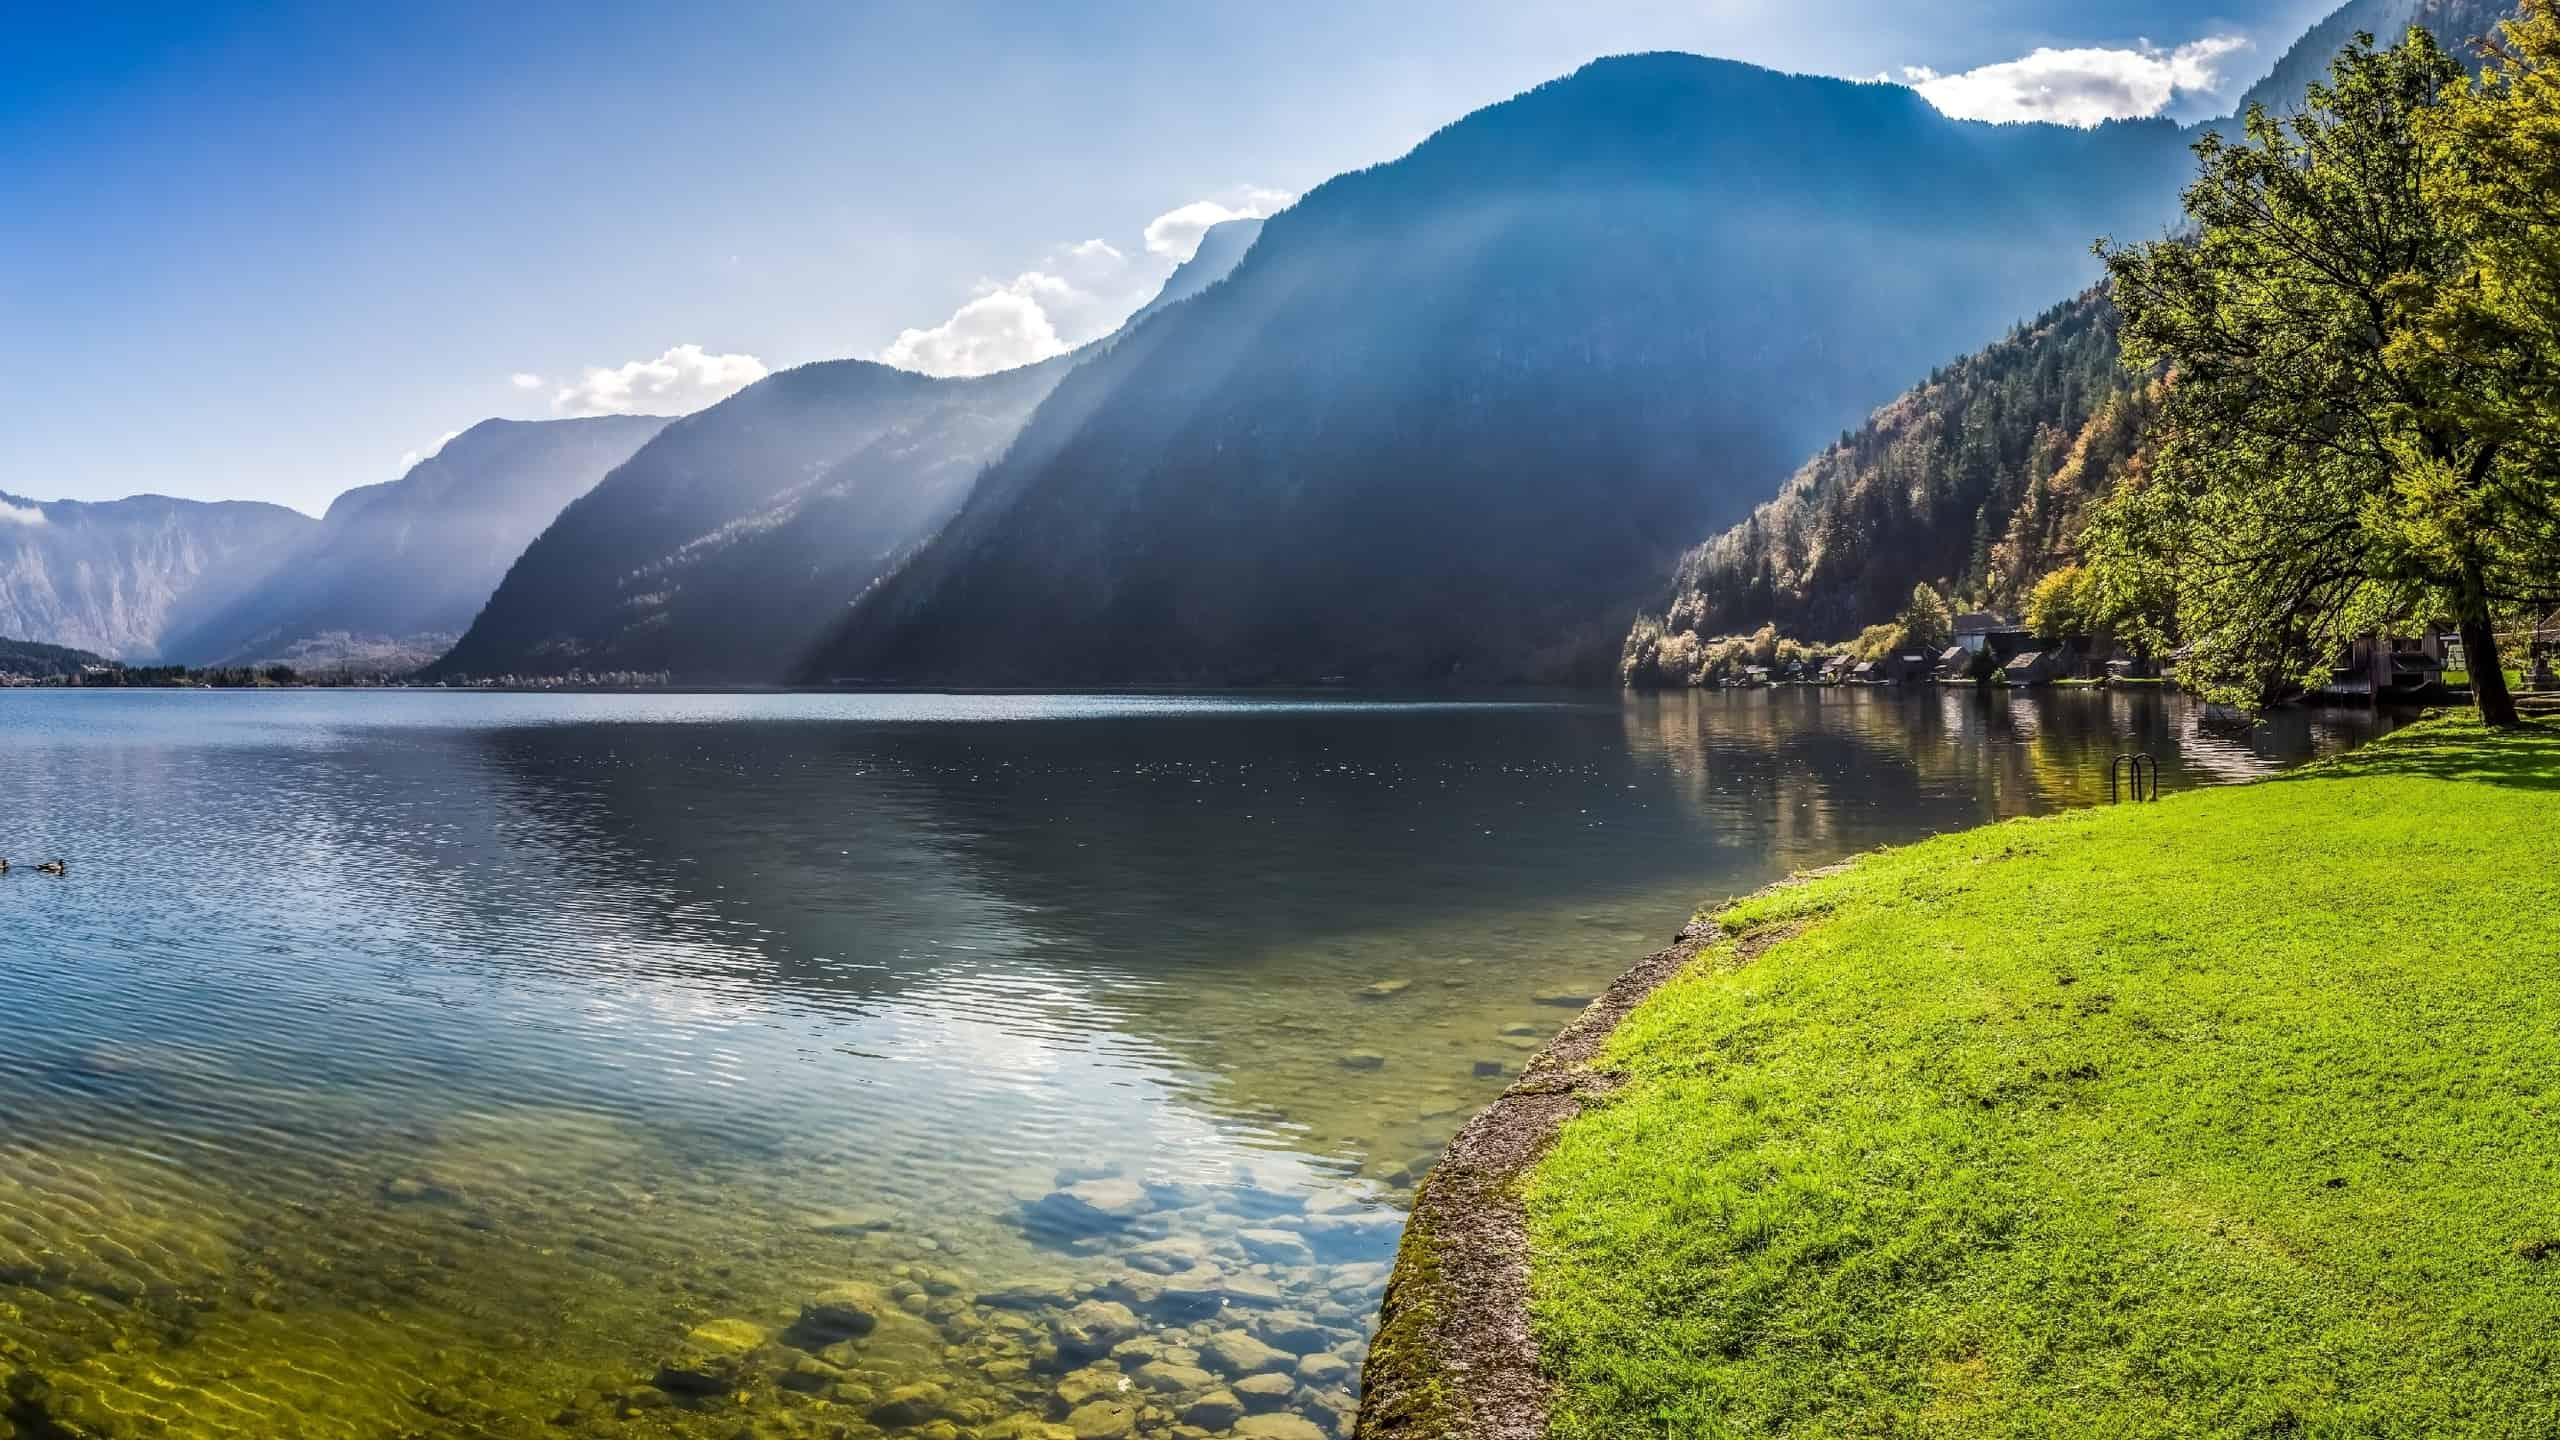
<point x="116" y="577"/>
<point x="396" y="571"/>
<point x="1453" y="414"/>
<point x="1979" y="479"/>
<point x="2455" y="23"/>
<point x="730" y="543"/>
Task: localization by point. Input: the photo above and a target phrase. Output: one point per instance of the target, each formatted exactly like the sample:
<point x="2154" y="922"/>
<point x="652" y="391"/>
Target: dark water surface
<point x="418" y="1064"/>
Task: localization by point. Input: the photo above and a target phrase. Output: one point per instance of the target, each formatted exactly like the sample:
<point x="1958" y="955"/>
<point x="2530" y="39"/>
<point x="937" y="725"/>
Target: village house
<point x="1980" y="630"/>
<point x="2033" y="667"/>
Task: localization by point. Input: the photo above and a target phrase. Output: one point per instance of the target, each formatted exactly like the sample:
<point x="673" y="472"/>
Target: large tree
<point x="2327" y="466"/>
<point x="2493" y="152"/>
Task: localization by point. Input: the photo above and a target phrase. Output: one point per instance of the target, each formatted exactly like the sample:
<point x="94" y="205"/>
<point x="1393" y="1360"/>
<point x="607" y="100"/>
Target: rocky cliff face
<point x="117" y="577"/>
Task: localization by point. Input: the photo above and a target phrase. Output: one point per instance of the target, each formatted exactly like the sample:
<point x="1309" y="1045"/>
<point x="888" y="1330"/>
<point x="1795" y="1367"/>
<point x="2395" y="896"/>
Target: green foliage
<point x="1658" y="659"/>
<point x="2326" y="466"/>
<point x="2064" y="603"/>
<point x="1928" y="622"/>
<point x="2211" y="1117"/>
<point x="1975" y="482"/>
<point x="2493" y="152"/>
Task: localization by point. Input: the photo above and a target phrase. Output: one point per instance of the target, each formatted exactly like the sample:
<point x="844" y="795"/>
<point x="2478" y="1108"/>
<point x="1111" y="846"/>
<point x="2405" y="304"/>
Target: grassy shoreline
<point x="2238" y="1114"/>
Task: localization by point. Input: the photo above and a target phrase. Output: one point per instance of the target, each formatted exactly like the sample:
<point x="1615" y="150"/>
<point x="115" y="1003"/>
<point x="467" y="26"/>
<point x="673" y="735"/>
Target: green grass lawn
<point x="2238" y="1114"/>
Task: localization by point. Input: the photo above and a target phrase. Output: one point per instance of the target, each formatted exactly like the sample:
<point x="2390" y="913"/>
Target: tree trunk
<point x="2488" y="673"/>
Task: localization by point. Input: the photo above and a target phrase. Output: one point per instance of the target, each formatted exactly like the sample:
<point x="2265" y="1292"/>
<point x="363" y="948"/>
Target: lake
<point x="811" y="1065"/>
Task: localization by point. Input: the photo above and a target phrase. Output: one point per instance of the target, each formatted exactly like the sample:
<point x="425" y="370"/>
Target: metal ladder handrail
<point x="2134" y="764"/>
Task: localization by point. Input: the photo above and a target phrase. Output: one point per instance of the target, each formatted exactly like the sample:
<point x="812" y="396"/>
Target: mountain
<point x="1976" y="481"/>
<point x="1222" y="248"/>
<point x="396" y="571"/>
<point x="722" y="547"/>
<point x="1456" y="415"/>
<point x="727" y="545"/>
<point x="116" y="577"/>
<point x="2456" y="23"/>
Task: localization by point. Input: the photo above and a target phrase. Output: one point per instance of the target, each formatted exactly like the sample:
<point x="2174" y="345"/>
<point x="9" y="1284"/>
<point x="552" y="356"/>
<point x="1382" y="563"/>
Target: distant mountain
<point x="29" y="659"/>
<point x="1977" y="481"/>
<point x="733" y="540"/>
<point x="116" y="577"/>
<point x="2455" y="23"/>
<point x="726" y="544"/>
<point x="1453" y="416"/>
<point x="396" y="571"/>
<point x="1222" y="248"/>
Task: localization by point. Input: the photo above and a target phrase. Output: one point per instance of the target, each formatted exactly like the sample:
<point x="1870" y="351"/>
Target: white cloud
<point x="1006" y="325"/>
<point x="20" y="514"/>
<point x="679" y="382"/>
<point x="525" y="380"/>
<point x="409" y="459"/>
<point x="1076" y="294"/>
<point x="2079" y="87"/>
<point x="1176" y="233"/>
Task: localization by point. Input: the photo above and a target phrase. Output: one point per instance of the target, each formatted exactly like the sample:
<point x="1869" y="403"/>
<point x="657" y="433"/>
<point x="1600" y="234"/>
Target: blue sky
<point x="272" y="252"/>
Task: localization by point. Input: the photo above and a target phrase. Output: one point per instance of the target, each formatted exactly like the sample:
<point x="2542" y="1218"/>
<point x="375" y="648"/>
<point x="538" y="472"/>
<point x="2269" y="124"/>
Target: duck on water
<point x="50" y="867"/>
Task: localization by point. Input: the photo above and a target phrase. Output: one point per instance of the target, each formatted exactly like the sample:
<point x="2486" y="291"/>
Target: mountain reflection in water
<point x="411" y="1062"/>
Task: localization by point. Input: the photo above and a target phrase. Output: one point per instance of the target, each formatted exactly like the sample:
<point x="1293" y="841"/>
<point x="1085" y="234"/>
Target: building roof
<point x="2027" y="659"/>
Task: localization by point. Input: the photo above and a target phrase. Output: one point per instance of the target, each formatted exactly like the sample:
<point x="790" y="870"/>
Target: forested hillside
<point x="1975" y="482"/>
<point x="2457" y="23"/>
<point x="28" y="659"/>
<point x="1454" y="415"/>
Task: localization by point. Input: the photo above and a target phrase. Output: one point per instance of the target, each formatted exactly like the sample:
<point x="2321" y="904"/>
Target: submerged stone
<point x="1282" y="1247"/>
<point x="713" y="1358"/>
<point x="1292" y="1330"/>
<point x="1214" y="1411"/>
<point x="1384" y="989"/>
<point x="1279" y="1427"/>
<point x="910" y="1405"/>
<point x="1236" y="1353"/>
<point x="1103" y="1420"/>
<point x="1267" y="1391"/>
<point x="1088" y="1207"/>
<point x="842" y="1311"/>
<point x="1089" y="1330"/>
<point x="1172" y="1377"/>
<point x="1081" y="1387"/>
<point x="1323" y="1368"/>
<point x="1362" y="1060"/>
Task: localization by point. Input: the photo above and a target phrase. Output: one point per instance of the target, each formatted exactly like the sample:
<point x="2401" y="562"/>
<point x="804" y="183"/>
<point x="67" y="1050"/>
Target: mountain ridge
<point x="1143" y="527"/>
<point x="721" y="549"/>
<point x="395" y="571"/>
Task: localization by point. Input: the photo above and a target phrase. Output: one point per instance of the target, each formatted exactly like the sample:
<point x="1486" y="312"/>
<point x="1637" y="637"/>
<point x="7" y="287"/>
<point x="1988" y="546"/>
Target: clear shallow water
<point x="409" y="1063"/>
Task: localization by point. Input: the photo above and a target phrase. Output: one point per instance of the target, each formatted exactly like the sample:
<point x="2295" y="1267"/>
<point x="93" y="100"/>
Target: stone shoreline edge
<point x="1454" y="1357"/>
